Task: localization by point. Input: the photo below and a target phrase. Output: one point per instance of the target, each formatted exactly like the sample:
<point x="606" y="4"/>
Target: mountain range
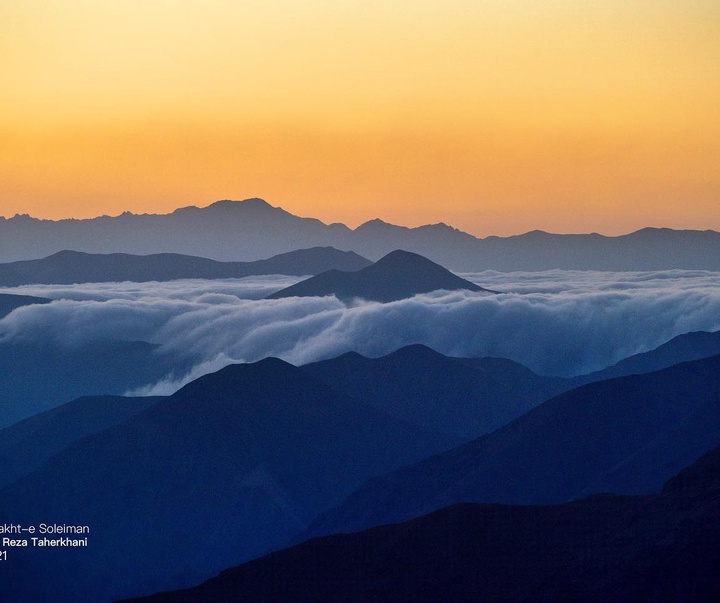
<point x="653" y="548"/>
<point x="67" y="267"/>
<point x="410" y="476"/>
<point x="626" y="435"/>
<point x="227" y="468"/>
<point x="456" y="399"/>
<point x="257" y="456"/>
<point x="252" y="230"/>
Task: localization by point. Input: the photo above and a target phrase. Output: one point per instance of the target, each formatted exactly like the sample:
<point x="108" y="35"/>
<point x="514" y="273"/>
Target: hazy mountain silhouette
<point x="38" y="376"/>
<point x="225" y="469"/>
<point x="627" y="435"/>
<point x="398" y="275"/>
<point x="252" y="229"/>
<point x="9" y="302"/>
<point x="26" y="445"/>
<point x="468" y="397"/>
<point x="457" y="398"/>
<point x="607" y="548"/>
<point x="226" y="230"/>
<point x="645" y="249"/>
<point x="78" y="267"/>
<point x="309" y="261"/>
<point x="683" y="348"/>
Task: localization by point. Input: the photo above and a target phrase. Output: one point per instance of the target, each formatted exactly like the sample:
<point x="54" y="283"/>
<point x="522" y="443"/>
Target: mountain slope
<point x="569" y="446"/>
<point x="609" y="548"/>
<point x="67" y="267"/>
<point x="26" y="445"/>
<point x="398" y="275"/>
<point x="683" y="348"/>
<point x="227" y="468"/>
<point x="456" y="398"/>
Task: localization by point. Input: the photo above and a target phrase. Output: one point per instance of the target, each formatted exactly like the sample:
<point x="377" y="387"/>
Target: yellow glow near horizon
<point x="494" y="116"/>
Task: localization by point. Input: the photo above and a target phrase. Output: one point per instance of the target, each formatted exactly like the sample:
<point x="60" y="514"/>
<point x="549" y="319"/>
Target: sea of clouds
<point x="555" y="322"/>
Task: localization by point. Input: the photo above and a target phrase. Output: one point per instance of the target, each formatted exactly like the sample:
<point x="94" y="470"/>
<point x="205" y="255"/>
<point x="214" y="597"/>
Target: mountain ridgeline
<point x="67" y="267"/>
<point x="229" y="467"/>
<point x="654" y="548"/>
<point x="259" y="456"/>
<point x="683" y="348"/>
<point x="456" y="399"/>
<point x="626" y="435"/>
<point x="252" y="229"/>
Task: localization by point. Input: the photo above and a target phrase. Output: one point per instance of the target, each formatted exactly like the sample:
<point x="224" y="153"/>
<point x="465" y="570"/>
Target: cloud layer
<point x="555" y="322"/>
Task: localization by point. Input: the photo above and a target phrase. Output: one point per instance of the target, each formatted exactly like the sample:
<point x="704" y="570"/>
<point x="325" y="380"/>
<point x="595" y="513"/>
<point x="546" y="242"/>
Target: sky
<point x="494" y="116"/>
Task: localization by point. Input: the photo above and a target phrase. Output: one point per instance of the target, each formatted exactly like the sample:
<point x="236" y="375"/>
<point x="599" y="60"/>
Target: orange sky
<point x="495" y="116"/>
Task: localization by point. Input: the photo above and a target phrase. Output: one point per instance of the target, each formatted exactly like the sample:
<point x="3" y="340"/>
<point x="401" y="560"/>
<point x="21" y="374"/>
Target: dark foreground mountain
<point x="9" y="302"/>
<point x="607" y="548"/>
<point x="398" y="275"/>
<point x="26" y="445"/>
<point x="38" y="376"/>
<point x="625" y="435"/>
<point x="252" y="229"/>
<point x="458" y="399"/>
<point x="228" y="468"/>
<point x="67" y="267"/>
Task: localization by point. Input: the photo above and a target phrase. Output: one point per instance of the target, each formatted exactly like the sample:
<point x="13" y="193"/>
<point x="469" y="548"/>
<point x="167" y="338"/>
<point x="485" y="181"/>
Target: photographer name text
<point x="41" y="535"/>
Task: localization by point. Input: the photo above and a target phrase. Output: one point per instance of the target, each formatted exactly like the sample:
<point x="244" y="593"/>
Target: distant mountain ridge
<point x="398" y="275"/>
<point x="252" y="229"/>
<point x="66" y="267"/>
